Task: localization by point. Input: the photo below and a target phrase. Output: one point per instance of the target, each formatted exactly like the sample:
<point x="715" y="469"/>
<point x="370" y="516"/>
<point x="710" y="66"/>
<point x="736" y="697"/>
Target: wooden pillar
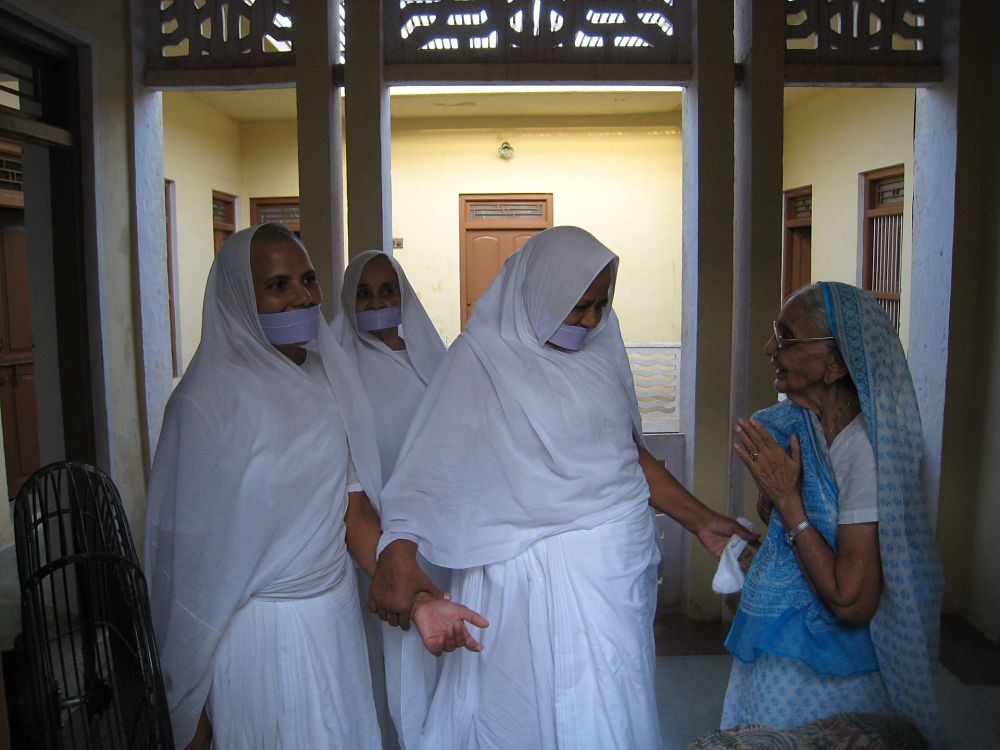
<point x="369" y="200"/>
<point x="321" y="193"/>
<point x="707" y="278"/>
<point x="759" y="109"/>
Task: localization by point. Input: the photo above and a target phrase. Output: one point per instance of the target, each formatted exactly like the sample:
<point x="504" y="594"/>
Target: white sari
<point x="520" y="473"/>
<point x="395" y="383"/>
<point x="252" y="593"/>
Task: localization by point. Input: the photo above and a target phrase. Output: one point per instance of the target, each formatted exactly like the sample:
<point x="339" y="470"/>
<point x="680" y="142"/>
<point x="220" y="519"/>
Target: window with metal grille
<point x="883" y="237"/>
<point x="507" y="210"/>
<point x="284" y="211"/>
<point x="223" y="217"/>
<point x="796" y="266"/>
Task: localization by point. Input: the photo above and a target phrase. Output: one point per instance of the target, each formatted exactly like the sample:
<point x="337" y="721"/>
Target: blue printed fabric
<point x="779" y="613"/>
<point x="904" y="630"/>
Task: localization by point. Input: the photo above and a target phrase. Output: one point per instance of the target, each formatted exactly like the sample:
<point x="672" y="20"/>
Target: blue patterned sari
<point x="781" y="629"/>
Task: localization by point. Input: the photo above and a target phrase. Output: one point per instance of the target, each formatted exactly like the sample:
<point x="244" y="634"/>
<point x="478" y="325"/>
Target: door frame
<point x="465" y="224"/>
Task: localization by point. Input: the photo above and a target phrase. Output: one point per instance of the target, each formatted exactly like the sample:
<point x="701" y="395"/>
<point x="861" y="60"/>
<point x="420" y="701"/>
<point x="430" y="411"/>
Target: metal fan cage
<point x="86" y="632"/>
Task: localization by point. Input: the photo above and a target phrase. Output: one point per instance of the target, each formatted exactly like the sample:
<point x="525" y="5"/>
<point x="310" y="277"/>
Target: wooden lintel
<point x="914" y="76"/>
<point x="269" y="76"/>
<point x="659" y="74"/>
<point x="20" y="128"/>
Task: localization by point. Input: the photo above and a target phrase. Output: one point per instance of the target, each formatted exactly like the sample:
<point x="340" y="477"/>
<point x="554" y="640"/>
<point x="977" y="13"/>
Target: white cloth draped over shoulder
<point x="395" y="383"/>
<point x="520" y="472"/>
<point x="516" y="440"/>
<point x="248" y="489"/>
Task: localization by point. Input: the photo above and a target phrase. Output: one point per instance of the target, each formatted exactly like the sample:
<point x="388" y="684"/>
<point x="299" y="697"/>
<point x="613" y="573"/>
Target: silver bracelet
<point x="790" y="535"/>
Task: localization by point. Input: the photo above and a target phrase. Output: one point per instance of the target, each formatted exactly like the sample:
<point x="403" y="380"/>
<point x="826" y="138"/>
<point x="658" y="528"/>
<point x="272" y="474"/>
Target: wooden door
<point x="796" y="266"/>
<point x="494" y="227"/>
<point x="17" y="369"/>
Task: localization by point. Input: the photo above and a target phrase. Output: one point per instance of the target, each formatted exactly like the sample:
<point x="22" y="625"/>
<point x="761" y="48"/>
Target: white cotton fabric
<point x="520" y="472"/>
<point x="853" y="463"/>
<point x="729" y="575"/>
<point x="247" y="498"/>
<point x="568" y="660"/>
<point x="278" y="672"/>
<point x="394" y="383"/>
<point x="516" y="440"/>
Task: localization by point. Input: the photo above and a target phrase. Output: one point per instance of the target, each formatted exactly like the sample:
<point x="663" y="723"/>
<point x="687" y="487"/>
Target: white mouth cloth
<point x="729" y="577"/>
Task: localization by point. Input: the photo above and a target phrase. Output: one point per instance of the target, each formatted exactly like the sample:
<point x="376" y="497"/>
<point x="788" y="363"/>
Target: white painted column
<point x="952" y="348"/>
<point x="369" y="199"/>
<point x="321" y="193"/>
<point x="155" y="364"/>
<point x="707" y="278"/>
<point x="759" y="111"/>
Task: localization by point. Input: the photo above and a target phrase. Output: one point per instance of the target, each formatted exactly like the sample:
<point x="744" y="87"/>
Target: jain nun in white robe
<point x="395" y="382"/>
<point x="254" y="599"/>
<point x="520" y="474"/>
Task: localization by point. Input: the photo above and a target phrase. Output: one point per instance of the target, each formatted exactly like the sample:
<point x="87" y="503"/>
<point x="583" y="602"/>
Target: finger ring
<point x="754" y="454"/>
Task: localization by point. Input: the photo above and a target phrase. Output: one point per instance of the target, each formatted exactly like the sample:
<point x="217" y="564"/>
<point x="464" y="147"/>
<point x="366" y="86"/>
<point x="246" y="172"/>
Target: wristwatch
<point x="791" y="534"/>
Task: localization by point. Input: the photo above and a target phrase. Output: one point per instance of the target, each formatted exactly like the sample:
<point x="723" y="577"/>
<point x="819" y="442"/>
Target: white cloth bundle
<point x="729" y="575"/>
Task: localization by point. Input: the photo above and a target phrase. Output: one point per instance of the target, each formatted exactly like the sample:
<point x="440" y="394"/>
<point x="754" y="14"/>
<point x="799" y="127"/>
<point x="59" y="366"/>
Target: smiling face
<point x="588" y="311"/>
<point x="283" y="277"/>
<point x="378" y="286"/>
<point x="804" y="369"/>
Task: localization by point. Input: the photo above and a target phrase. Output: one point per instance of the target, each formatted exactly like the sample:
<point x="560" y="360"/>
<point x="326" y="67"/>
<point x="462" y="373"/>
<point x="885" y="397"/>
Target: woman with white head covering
<point x="386" y="331"/>
<point x="523" y="472"/>
<point x="383" y="327"/>
<point x="254" y="602"/>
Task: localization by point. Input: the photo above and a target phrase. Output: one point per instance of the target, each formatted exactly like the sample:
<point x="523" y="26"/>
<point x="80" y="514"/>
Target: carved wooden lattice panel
<point x="221" y="33"/>
<point x="860" y="32"/>
<point x="537" y="31"/>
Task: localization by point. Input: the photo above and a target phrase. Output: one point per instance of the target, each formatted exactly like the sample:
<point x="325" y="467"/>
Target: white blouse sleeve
<point x="857" y="478"/>
<point x="353" y="485"/>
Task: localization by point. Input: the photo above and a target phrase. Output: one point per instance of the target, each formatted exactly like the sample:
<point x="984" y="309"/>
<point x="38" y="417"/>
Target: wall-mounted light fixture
<point x="505" y="150"/>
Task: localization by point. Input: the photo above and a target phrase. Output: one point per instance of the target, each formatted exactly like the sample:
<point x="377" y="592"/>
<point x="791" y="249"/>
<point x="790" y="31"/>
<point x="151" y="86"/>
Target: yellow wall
<point x="830" y="139"/>
<point x="270" y="159"/>
<point x="201" y="153"/>
<point x="622" y="183"/>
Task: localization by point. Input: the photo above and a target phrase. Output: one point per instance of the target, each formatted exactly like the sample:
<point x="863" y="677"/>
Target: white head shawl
<point x="246" y="491"/>
<point x="394" y="386"/>
<point x="516" y="440"/>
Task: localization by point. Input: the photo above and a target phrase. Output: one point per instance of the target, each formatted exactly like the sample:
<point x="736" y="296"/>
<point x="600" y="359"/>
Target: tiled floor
<point x="693" y="669"/>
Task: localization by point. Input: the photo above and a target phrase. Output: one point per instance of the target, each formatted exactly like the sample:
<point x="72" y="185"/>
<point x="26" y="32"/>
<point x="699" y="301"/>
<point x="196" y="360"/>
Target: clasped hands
<point x="401" y="591"/>
<point x="777" y="473"/>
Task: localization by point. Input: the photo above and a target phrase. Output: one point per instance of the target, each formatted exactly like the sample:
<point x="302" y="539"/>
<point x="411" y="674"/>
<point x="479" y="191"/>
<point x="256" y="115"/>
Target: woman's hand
<point x="778" y="474"/>
<point x="441" y="623"/>
<point x="397" y="580"/>
<point x="714" y="535"/>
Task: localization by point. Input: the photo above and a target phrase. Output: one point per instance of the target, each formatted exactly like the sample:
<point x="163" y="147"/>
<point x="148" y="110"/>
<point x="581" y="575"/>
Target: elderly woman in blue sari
<point x="839" y="610"/>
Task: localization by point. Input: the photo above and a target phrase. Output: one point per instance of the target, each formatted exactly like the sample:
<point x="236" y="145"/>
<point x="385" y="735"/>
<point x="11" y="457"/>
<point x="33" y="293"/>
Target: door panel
<point x="493" y="228"/>
<point x="486" y="251"/>
<point x="18" y="406"/>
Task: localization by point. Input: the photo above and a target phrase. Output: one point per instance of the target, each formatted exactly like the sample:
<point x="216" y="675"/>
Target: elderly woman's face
<point x="378" y="286"/>
<point x="588" y="311"/>
<point x="799" y="367"/>
<point x="283" y="277"/>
